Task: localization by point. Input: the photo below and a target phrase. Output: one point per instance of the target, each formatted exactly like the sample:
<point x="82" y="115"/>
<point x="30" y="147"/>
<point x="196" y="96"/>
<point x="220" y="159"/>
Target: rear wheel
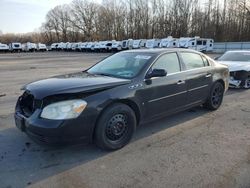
<point x="216" y="96"/>
<point x="115" y="127"/>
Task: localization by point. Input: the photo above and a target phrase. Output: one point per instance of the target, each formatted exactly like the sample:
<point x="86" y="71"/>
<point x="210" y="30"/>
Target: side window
<point x="169" y="62"/>
<point x="199" y="42"/>
<point x="205" y="61"/>
<point x="204" y="42"/>
<point x="192" y="60"/>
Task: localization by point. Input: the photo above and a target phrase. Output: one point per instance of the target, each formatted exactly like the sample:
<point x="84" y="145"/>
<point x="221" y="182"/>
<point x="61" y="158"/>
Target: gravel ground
<point x="194" y="148"/>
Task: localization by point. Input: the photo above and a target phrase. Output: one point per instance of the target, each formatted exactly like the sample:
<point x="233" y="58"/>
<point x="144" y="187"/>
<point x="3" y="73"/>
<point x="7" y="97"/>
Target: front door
<point x="165" y="94"/>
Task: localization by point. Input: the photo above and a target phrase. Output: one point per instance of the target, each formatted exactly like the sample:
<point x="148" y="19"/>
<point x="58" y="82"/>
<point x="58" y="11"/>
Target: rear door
<point x="198" y="77"/>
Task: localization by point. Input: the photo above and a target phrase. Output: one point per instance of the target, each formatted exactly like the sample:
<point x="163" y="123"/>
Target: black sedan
<point x="106" y="102"/>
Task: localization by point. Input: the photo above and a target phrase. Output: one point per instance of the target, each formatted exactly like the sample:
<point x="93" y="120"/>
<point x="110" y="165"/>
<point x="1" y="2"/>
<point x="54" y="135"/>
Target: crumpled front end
<point x="239" y="79"/>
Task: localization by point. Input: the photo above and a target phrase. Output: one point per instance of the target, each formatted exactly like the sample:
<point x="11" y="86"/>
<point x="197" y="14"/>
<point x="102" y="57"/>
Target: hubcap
<point x="117" y="127"/>
<point x="217" y="95"/>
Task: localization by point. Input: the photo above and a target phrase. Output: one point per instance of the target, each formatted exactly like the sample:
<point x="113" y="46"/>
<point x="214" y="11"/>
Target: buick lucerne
<point x="106" y="102"/>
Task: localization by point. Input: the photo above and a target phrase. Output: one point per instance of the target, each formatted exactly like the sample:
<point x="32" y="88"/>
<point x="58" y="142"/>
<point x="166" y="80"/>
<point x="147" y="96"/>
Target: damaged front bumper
<point x="239" y="79"/>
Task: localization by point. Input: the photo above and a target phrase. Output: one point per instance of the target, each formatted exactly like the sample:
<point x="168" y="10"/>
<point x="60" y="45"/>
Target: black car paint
<point x="149" y="97"/>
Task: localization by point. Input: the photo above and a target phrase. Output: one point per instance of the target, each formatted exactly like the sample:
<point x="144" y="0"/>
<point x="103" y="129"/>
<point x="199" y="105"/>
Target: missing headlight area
<point x="239" y="79"/>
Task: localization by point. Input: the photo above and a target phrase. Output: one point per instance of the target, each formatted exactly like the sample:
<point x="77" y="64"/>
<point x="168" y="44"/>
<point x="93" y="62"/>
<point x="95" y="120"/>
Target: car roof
<point x="161" y="50"/>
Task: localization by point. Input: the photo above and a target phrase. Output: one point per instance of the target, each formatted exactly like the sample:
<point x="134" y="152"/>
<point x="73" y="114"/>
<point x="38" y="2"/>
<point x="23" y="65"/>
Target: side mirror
<point x="156" y="73"/>
<point x="216" y="58"/>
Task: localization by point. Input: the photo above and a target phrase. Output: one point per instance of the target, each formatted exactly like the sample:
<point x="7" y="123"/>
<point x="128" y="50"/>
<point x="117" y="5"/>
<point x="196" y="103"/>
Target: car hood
<point x="81" y="82"/>
<point x="236" y="65"/>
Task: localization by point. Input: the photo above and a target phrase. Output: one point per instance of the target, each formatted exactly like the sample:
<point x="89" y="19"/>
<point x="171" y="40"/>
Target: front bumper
<point x="56" y="132"/>
<point x="233" y="83"/>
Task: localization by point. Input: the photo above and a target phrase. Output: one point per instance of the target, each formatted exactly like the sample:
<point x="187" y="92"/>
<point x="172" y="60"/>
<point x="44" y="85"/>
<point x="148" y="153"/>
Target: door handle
<point x="208" y="75"/>
<point x="181" y="82"/>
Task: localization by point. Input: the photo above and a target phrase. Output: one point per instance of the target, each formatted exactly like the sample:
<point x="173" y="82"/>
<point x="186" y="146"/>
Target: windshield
<point x="122" y="65"/>
<point x="235" y="56"/>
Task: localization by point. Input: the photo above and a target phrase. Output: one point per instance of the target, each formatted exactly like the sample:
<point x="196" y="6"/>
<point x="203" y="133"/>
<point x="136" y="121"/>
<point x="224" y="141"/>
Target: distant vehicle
<point x="4" y="47"/>
<point x="196" y="43"/>
<point x="29" y="47"/>
<point x="15" y="47"/>
<point x="238" y="63"/>
<point x="106" y="102"/>
<point x="68" y="46"/>
<point x="82" y="46"/>
<point x="141" y="43"/>
<point x="75" y="46"/>
<point x="153" y="43"/>
<point x="107" y="46"/>
<point x="127" y="44"/>
<point x="92" y="49"/>
<point x="41" y="47"/>
<point x="116" y="46"/>
<point x="61" y="46"/>
<point x="98" y="45"/>
<point x="54" y="46"/>
<point x="89" y="46"/>
<point x="168" y="42"/>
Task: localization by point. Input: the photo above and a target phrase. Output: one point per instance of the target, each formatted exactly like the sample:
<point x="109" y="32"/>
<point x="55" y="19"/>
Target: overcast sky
<point x="21" y="16"/>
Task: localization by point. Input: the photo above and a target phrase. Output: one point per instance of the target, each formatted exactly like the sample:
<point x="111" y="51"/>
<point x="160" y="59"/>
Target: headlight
<point x="64" y="110"/>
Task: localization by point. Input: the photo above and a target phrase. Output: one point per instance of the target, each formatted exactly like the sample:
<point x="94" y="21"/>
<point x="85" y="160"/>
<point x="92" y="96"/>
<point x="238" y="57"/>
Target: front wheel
<point x="215" y="97"/>
<point x="115" y="127"/>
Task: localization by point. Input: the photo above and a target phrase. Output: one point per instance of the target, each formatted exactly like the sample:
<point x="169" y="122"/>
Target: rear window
<point x="192" y="60"/>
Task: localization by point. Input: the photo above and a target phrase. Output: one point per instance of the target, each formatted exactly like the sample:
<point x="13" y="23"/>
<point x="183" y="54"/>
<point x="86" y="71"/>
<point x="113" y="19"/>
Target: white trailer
<point x="98" y="46"/>
<point x="4" y="47"/>
<point x="68" y="46"/>
<point x="41" y="47"/>
<point x="153" y="43"/>
<point x="141" y="43"/>
<point x="107" y="46"/>
<point x="53" y="46"/>
<point x="15" y="47"/>
<point x="29" y="47"/>
<point x="168" y="42"/>
<point x="93" y="46"/>
<point x="89" y="46"/>
<point x="196" y="43"/>
<point x="61" y="46"/>
<point x="116" y="46"/>
<point x="127" y="44"/>
<point x="82" y="46"/>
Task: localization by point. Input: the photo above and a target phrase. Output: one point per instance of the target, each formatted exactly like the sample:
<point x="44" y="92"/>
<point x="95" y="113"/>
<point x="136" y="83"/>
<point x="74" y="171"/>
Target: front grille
<point x="28" y="104"/>
<point x="240" y="75"/>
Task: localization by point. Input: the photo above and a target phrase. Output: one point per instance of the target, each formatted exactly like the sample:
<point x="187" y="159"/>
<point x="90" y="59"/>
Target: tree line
<point x="86" y="20"/>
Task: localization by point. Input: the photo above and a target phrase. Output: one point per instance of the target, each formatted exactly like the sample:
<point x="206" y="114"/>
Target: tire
<point x="115" y="127"/>
<point x="215" y="97"/>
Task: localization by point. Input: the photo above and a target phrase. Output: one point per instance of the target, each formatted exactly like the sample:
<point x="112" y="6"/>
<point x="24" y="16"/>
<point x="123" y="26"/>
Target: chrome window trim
<point x="186" y="70"/>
